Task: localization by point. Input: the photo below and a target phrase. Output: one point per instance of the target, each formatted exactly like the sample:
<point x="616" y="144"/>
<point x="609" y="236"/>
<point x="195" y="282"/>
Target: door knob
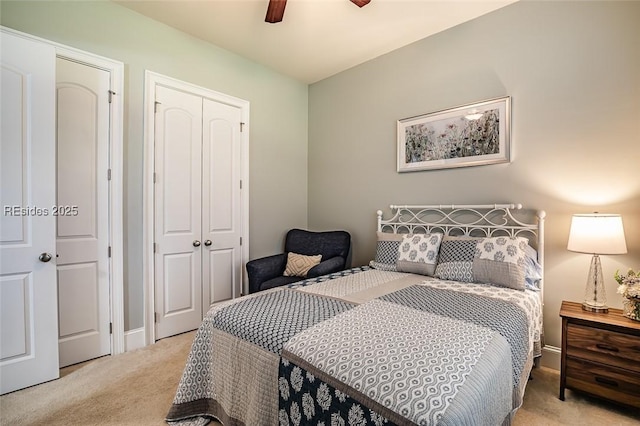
<point x="44" y="257"/>
<point x="196" y="243"/>
<point x="207" y="243"/>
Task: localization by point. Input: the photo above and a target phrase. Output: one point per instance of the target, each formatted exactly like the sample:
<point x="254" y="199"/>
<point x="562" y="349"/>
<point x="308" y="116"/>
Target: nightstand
<point x="600" y="354"/>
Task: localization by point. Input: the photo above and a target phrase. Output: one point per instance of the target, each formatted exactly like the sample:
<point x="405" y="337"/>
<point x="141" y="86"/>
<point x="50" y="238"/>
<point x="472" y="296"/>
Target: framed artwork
<point x="469" y="135"/>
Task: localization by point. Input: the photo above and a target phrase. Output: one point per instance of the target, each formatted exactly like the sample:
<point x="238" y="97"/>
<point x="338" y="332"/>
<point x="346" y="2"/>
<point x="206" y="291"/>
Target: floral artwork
<point x="629" y="288"/>
<point x="443" y="139"/>
<point x="465" y="136"/>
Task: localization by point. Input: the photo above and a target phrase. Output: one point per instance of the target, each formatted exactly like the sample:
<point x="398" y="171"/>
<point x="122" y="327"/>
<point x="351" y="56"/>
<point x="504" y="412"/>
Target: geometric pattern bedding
<point x="527" y="300"/>
<point x="329" y="277"/>
<point x="488" y="313"/>
<point x="400" y="363"/>
<point x="372" y="362"/>
<point x="263" y="322"/>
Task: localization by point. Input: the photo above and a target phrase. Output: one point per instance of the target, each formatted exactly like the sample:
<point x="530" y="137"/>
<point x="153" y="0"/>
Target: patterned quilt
<point x="362" y="347"/>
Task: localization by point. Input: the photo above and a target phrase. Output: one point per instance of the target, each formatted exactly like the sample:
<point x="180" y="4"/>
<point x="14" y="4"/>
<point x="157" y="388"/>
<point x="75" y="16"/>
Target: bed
<point x="442" y="327"/>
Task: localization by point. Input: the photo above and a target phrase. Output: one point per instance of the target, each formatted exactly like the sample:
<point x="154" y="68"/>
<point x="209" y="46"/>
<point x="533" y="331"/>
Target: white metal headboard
<point x="483" y="220"/>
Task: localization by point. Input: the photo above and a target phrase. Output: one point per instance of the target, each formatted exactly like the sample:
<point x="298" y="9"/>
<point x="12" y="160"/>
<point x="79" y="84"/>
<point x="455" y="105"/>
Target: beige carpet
<point x="136" y="388"/>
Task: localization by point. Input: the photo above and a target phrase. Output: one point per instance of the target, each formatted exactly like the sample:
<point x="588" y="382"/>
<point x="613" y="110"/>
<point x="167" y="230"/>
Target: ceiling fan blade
<point x="275" y="11"/>
<point x="360" y="3"/>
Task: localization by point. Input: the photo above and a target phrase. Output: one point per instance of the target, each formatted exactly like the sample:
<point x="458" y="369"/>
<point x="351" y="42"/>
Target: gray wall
<point x="278" y="138"/>
<point x="573" y="72"/>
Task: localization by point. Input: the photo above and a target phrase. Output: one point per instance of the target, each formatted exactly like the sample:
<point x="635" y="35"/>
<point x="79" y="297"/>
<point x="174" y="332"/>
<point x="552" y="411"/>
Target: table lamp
<point x="596" y="234"/>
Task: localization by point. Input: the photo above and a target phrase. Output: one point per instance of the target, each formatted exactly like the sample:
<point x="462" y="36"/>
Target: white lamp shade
<point x="597" y="234"/>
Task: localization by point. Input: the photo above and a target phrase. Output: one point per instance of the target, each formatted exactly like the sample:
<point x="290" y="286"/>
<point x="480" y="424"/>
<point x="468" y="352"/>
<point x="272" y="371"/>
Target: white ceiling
<point x="317" y="38"/>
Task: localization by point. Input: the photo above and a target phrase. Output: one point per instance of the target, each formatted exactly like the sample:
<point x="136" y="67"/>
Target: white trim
<point x="116" y="71"/>
<point x="152" y="80"/>
<point x="134" y="339"/>
<point x="551" y="356"/>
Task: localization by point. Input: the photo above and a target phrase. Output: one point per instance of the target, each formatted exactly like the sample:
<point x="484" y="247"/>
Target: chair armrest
<point x="265" y="268"/>
<point x="328" y="266"/>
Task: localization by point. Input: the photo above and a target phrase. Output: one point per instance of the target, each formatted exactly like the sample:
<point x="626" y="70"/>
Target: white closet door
<point x="82" y="200"/>
<point x="178" y="241"/>
<point x="221" y="208"/>
<point x="28" y="299"/>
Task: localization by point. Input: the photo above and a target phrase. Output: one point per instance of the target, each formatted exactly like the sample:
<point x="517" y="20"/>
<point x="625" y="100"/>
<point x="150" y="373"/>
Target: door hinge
<point x="111" y="93"/>
<point x="155" y="177"/>
<point x="155" y="247"/>
<point x="155" y="106"/>
<point x="155" y="317"/>
<point x="110" y="328"/>
<point x="109" y="252"/>
<point x="241" y="126"/>
<point x="240" y="184"/>
<point x="240" y="240"/>
<point x="108" y="174"/>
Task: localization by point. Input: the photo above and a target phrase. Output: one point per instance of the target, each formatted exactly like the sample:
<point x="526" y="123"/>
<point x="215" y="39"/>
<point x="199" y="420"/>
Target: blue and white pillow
<point x="532" y="269"/>
<point x="501" y="261"/>
<point x="418" y="253"/>
<point x="386" y="251"/>
<point x="455" y="261"/>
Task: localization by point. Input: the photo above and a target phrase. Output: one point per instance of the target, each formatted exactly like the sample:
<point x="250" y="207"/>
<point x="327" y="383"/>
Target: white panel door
<point x="28" y="308"/>
<point x="221" y="208"/>
<point x="82" y="216"/>
<point x="178" y="245"/>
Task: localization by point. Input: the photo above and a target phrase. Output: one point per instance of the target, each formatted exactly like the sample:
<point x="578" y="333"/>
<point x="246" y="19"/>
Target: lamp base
<point x="595" y="299"/>
<point x="603" y="309"/>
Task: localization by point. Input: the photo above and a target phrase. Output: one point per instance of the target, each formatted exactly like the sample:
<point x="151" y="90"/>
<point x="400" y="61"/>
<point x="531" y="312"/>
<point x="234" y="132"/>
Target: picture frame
<point x="468" y="135"/>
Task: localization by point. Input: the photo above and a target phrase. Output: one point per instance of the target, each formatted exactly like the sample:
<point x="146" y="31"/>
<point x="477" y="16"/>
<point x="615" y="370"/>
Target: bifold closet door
<point x="221" y="206"/>
<point x="178" y="207"/>
<point x="198" y="226"/>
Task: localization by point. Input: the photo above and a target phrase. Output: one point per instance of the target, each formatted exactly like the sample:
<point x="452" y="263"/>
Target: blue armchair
<point x="267" y="272"/>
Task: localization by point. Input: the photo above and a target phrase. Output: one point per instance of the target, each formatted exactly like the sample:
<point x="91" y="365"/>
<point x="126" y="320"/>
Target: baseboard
<point x="134" y="339"/>
<point x="551" y="357"/>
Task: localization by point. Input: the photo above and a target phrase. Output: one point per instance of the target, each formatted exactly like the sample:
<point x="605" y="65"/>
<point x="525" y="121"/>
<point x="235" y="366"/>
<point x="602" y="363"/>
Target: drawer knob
<point x="607" y="347"/>
<point x="606" y="381"/>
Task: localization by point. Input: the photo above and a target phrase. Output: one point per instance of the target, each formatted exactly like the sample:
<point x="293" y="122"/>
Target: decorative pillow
<point x="501" y="261"/>
<point x="418" y="253"/>
<point x="386" y="251"/>
<point x="298" y="265"/>
<point x="455" y="261"/>
<point x="532" y="269"/>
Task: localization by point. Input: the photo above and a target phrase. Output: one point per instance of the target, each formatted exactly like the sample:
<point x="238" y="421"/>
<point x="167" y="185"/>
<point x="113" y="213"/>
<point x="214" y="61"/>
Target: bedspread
<point x="364" y="347"/>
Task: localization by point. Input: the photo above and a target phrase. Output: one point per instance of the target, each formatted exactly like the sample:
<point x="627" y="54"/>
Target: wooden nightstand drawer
<point x="604" y="346"/>
<point x="611" y="383"/>
<point x="600" y="354"/>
